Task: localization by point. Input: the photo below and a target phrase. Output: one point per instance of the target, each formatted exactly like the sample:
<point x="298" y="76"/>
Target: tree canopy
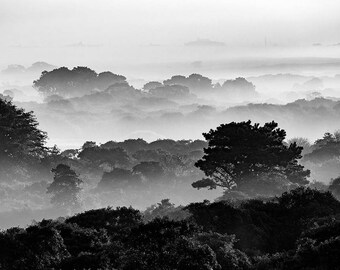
<point x="21" y="141"/>
<point x="75" y="82"/>
<point x="297" y="230"/>
<point x="239" y="153"/>
<point x="194" y="82"/>
<point x="65" y="187"/>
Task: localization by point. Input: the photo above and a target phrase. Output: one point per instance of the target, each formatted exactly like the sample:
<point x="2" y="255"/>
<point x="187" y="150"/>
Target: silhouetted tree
<point x="242" y="153"/>
<point x="22" y="143"/>
<point x="65" y="187"/>
<point x="19" y="133"/>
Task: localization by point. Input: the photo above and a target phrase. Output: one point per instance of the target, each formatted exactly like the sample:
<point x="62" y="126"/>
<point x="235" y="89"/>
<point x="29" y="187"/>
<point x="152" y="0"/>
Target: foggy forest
<point x="163" y="135"/>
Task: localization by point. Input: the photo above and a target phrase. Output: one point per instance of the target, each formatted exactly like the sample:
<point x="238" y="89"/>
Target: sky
<point x="144" y="40"/>
<point x="122" y="32"/>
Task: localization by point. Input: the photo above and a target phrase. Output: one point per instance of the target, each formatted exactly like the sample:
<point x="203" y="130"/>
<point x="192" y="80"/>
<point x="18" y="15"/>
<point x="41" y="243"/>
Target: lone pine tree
<point x="241" y="155"/>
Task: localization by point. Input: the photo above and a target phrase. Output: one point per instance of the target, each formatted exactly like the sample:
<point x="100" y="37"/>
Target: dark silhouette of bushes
<point x="298" y="230"/>
<point x="265" y="226"/>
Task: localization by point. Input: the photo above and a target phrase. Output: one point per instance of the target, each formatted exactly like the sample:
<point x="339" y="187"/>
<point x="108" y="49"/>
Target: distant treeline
<point x="294" y="225"/>
<point x="136" y="165"/>
<point x="81" y="81"/>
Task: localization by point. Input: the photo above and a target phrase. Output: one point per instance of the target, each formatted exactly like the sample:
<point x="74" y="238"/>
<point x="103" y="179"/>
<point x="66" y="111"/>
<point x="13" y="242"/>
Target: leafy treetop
<point x="241" y="152"/>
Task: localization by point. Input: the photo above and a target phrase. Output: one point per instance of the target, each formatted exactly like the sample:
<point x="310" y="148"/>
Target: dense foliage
<point x="65" y="187"/>
<point x="22" y="143"/>
<point x="19" y="134"/>
<point x="75" y="82"/>
<point x="247" y="157"/>
<point x="298" y="230"/>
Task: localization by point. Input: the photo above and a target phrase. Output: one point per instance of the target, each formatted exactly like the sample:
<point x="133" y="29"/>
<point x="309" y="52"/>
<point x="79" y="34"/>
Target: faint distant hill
<point x="36" y="67"/>
<point x="204" y="43"/>
<point x="310" y="118"/>
<point x="18" y="75"/>
<point x="40" y="66"/>
<point x="286" y="82"/>
<point x="14" y="69"/>
<point x="281" y="77"/>
<point x="278" y="82"/>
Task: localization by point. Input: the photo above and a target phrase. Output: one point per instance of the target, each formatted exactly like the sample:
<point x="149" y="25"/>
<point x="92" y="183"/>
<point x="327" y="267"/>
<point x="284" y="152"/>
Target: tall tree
<point x="239" y="154"/>
<point x="19" y="133"/>
<point x="65" y="187"/>
<point x="22" y="143"/>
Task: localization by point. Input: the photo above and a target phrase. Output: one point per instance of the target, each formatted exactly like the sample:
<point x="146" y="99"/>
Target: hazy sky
<point x="48" y="28"/>
<point x="50" y="22"/>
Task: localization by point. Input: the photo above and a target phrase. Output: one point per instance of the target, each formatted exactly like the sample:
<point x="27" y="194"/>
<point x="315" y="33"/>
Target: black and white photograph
<point x="169" y="135"/>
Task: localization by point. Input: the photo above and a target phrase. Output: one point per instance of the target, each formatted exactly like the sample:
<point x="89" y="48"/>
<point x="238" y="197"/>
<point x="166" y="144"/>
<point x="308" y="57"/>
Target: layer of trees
<point x="22" y="143"/>
<point x="322" y="156"/>
<point x="247" y="160"/>
<point x="298" y="230"/>
<point x="79" y="81"/>
<point x="136" y="163"/>
<point x="75" y="82"/>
